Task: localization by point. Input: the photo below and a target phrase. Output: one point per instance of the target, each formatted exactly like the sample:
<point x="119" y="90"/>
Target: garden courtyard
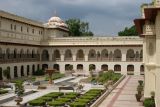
<point x="98" y="89"/>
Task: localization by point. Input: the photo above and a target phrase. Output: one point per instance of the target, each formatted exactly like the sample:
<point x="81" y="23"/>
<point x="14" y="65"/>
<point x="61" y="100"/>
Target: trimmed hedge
<point x="3" y="91"/>
<point x="37" y="102"/>
<point x="55" y="76"/>
<point x="78" y="104"/>
<point x="56" y="103"/>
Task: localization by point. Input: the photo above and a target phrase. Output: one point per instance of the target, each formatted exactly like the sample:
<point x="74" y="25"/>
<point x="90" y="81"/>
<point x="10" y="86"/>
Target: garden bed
<point x="71" y="99"/>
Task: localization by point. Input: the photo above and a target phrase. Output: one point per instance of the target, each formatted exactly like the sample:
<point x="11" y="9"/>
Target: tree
<point x="128" y="31"/>
<point x="78" y="28"/>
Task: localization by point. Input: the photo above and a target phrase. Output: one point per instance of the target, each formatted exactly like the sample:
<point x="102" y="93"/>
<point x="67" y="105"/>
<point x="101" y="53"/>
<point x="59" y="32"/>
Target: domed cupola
<point x="56" y="22"/>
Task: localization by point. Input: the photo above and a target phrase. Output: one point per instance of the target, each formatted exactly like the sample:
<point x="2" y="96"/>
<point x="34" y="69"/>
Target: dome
<point x="56" y="22"/>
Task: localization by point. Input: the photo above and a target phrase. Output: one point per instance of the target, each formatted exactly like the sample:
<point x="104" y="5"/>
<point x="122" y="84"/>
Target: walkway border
<point x="102" y="97"/>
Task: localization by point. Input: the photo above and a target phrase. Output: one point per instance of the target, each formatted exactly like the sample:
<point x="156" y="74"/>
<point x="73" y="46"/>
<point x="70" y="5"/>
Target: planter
<point x="18" y="99"/>
<point x="138" y="97"/>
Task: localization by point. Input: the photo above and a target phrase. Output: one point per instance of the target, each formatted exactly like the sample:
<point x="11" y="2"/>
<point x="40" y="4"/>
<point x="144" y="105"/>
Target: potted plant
<point x="140" y="82"/>
<point x="138" y="96"/>
<point x="19" y="90"/>
<point x="140" y="89"/>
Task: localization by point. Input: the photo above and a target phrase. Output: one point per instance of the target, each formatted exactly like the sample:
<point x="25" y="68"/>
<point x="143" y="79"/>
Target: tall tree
<point x="128" y="31"/>
<point x="78" y="28"/>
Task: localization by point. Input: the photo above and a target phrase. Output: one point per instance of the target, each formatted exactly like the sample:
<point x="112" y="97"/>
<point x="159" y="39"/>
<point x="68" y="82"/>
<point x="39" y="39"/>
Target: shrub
<point x="3" y="91"/>
<point x="70" y="96"/>
<point x="140" y="82"/>
<point x="82" y="100"/>
<point x="46" y="98"/>
<point x="37" y="102"/>
<point x="56" y="103"/>
<point x="63" y="100"/>
<point x="39" y="73"/>
<point x="78" y="104"/>
<point x="149" y="102"/>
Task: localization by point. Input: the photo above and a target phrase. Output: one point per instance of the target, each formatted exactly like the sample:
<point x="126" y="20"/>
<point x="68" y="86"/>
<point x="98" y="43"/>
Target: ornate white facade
<point x="149" y="28"/>
<point x="27" y="45"/>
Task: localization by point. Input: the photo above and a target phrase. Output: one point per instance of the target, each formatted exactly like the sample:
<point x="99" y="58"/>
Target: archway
<point x="33" y="69"/>
<point x="21" y="53"/>
<point x="56" y="55"/>
<point x="130" y="69"/>
<point x="8" y="53"/>
<point x="80" y="55"/>
<point x="104" y="67"/>
<point x="92" y="55"/>
<point x="1" y="74"/>
<point x="22" y="71"/>
<point x="104" y="54"/>
<point x="28" y="70"/>
<point x="38" y="67"/>
<point x="67" y="67"/>
<point x="45" y="55"/>
<point x="15" y="72"/>
<point x="15" y="53"/>
<point x="117" y="55"/>
<point x="142" y="69"/>
<point x="117" y="68"/>
<point x="130" y="55"/>
<point x="92" y="67"/>
<point x="56" y="66"/>
<point x="68" y="55"/>
<point x="79" y="67"/>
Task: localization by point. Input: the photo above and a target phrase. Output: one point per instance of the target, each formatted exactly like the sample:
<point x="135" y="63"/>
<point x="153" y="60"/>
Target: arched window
<point x="92" y="67"/>
<point x="104" y="54"/>
<point x="57" y="55"/>
<point x="45" y="55"/>
<point x="68" y="54"/>
<point x="1" y="74"/>
<point x="80" y="55"/>
<point x="104" y="67"/>
<point x="130" y="69"/>
<point x="15" y="72"/>
<point x="21" y="53"/>
<point x="28" y="70"/>
<point x="79" y="67"/>
<point x="92" y="54"/>
<point x="15" y="53"/>
<point x="56" y="66"/>
<point x="8" y="53"/>
<point x="117" y="68"/>
<point x="130" y="55"/>
<point x="22" y="71"/>
<point x="117" y="55"/>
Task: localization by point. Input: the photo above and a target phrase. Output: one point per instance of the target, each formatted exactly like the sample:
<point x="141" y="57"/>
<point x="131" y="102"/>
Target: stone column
<point x="124" y="52"/>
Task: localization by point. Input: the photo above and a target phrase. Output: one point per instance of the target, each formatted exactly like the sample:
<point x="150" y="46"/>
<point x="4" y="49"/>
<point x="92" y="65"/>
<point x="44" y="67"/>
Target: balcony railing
<point x="134" y="59"/>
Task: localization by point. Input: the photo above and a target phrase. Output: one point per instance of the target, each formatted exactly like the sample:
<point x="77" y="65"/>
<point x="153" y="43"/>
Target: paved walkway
<point x="124" y="94"/>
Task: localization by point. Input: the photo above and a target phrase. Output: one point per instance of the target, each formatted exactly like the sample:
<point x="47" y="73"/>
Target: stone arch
<point x="33" y="69"/>
<point x="15" y="53"/>
<point x="104" y="67"/>
<point x="80" y="54"/>
<point x="56" y="55"/>
<point x="21" y="53"/>
<point x="8" y="53"/>
<point x="92" y="67"/>
<point x="117" y="55"/>
<point x="1" y="74"/>
<point x="56" y="66"/>
<point x="28" y="70"/>
<point x="15" y="72"/>
<point x="130" y="55"/>
<point x="142" y="69"/>
<point x="67" y="67"/>
<point x="92" y="54"/>
<point x="45" y="55"/>
<point x="104" y="54"/>
<point x="27" y="53"/>
<point x="117" y="67"/>
<point x="33" y="53"/>
<point x="68" y="54"/>
<point x="130" y="69"/>
<point x="80" y="67"/>
<point x="22" y="71"/>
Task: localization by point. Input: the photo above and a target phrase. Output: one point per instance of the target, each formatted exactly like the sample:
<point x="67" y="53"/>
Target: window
<point x="32" y="30"/>
<point x="11" y="26"/>
<point x="27" y="29"/>
<point x="14" y="27"/>
<point x="21" y="29"/>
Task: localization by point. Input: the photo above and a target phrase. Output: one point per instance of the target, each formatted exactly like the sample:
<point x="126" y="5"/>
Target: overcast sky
<point x="106" y="17"/>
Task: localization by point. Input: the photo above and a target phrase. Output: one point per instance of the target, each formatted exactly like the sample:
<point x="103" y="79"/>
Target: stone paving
<point x="124" y="94"/>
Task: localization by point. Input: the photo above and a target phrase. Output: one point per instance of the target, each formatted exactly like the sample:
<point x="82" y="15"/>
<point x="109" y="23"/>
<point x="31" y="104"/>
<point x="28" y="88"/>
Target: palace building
<point x="148" y="27"/>
<point x="27" y="45"/>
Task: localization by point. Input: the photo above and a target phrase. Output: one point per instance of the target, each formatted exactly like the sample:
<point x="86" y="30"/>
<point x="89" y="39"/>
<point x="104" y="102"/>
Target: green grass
<point x="55" y="76"/>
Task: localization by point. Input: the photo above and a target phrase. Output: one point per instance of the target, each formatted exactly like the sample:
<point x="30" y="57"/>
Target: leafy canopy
<point x="78" y="27"/>
<point x="128" y="31"/>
